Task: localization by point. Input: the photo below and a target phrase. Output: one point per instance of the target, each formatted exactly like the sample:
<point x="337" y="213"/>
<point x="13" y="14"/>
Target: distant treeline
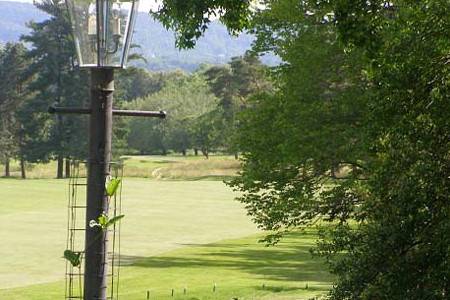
<point x="201" y="106"/>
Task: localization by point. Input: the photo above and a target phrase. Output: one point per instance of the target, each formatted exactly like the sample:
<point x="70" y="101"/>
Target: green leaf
<point x="112" y="187"/>
<point x="112" y="221"/>
<point x="103" y="220"/>
<point x="73" y="257"/>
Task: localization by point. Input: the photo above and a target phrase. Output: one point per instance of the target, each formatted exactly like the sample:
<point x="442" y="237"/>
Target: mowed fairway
<point x="175" y="235"/>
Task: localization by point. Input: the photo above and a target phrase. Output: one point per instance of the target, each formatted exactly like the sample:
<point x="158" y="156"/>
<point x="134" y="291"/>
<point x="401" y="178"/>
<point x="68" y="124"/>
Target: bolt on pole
<point x="100" y="136"/>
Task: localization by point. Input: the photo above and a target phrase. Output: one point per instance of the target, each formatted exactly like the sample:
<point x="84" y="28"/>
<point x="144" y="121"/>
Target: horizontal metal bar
<point x="68" y="110"/>
<point x="116" y="112"/>
<point x="139" y="113"/>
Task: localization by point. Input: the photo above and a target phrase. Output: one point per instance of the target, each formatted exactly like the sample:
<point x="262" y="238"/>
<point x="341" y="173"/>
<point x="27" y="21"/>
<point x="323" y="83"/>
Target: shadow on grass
<point x="288" y="261"/>
<point x="210" y="178"/>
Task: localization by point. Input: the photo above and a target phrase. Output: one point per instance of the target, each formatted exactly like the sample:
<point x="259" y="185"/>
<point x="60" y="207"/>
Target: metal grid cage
<point x="76" y="227"/>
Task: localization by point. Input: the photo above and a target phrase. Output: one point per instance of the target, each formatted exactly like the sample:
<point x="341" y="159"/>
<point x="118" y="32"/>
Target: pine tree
<point x="56" y="81"/>
<point x="12" y="81"/>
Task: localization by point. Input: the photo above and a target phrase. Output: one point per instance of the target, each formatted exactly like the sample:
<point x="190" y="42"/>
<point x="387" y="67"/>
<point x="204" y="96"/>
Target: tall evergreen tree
<point x="12" y="86"/>
<point x="233" y="84"/>
<point x="56" y="81"/>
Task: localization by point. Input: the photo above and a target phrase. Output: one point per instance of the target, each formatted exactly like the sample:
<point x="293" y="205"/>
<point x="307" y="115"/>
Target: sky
<point x="144" y="5"/>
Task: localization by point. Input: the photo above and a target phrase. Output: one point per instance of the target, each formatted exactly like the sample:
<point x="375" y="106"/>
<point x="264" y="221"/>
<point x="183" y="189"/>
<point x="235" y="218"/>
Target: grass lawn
<point x="175" y="235"/>
<point x="240" y="268"/>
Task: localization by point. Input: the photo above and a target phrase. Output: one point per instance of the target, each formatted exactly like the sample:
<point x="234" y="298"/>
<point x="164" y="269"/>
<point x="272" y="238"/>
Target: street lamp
<point x="102" y="31"/>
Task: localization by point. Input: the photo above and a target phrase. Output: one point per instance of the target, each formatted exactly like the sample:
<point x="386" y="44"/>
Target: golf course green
<point x="182" y="235"/>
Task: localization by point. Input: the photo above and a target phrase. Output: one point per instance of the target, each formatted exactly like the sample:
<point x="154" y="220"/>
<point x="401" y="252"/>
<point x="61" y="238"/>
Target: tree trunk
<point x="334" y="170"/>
<point x="196" y="151"/>
<point x="7" y="171"/>
<point x="60" y="167"/>
<point x="67" y="167"/>
<point x="22" y="169"/>
<point x="205" y="153"/>
<point x="355" y="171"/>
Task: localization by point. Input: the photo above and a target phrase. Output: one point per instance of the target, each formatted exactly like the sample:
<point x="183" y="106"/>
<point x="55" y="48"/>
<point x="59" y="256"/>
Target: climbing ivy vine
<point x="103" y="222"/>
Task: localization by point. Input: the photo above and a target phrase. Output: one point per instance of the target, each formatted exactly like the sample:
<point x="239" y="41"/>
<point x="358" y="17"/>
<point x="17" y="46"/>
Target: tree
<point x="190" y="18"/>
<point x="12" y="85"/>
<point x="56" y="81"/>
<point x="207" y="133"/>
<point x="233" y="85"/>
<point x="133" y="83"/>
<point x="400" y="249"/>
<point x="186" y="97"/>
<point x="303" y="145"/>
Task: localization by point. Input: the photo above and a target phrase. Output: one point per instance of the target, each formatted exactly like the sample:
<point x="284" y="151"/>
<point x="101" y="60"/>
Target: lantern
<point x="102" y="31"/>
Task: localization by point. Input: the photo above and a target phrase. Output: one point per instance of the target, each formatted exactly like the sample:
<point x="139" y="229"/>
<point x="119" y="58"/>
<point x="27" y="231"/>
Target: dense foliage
<point x="185" y="97"/>
<point x="357" y="134"/>
<point x="202" y="108"/>
<point x="401" y="248"/>
<point x="190" y="18"/>
<point x="309" y="133"/>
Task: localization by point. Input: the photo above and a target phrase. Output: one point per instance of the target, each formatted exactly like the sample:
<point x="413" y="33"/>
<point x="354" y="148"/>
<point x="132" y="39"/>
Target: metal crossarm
<point x="116" y="112"/>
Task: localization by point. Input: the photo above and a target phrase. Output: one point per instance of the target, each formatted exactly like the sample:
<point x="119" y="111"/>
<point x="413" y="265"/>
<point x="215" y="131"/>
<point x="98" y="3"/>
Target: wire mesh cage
<point x="76" y="227"/>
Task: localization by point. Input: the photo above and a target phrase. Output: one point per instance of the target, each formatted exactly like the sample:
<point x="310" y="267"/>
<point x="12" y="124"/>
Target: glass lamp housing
<point x="102" y="31"/>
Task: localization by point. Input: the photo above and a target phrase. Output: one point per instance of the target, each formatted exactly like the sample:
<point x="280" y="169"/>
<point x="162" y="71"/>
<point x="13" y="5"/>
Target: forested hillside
<point x="157" y="44"/>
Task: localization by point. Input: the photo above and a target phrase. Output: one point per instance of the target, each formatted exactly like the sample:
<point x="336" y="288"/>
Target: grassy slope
<point x="165" y="237"/>
<point x="241" y="268"/>
<point x="160" y="216"/>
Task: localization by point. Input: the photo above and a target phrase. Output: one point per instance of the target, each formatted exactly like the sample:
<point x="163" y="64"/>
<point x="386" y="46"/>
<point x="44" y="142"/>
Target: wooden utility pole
<point x="100" y="136"/>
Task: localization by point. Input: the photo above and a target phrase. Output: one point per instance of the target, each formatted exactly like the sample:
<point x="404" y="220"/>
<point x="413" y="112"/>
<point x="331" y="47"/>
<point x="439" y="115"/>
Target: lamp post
<point x="102" y="31"/>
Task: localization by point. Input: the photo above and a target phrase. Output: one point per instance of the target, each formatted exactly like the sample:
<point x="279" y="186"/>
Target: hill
<point x="157" y="43"/>
<point x="13" y="19"/>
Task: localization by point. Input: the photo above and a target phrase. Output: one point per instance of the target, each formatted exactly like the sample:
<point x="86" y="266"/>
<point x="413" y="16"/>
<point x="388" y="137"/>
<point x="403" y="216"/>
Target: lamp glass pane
<point x="102" y="31"/>
<point x="84" y="29"/>
<point x="130" y="27"/>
